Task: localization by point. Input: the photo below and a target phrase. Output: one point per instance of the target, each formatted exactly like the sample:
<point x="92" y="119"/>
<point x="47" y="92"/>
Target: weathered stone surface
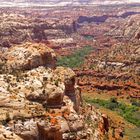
<point x="29" y="56"/>
<point x="40" y="103"/>
<point x="8" y="135"/>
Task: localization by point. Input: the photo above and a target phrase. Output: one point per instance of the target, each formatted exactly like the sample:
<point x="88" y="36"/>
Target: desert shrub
<point x="135" y="102"/>
<point x="113" y="100"/>
<point x="112" y="103"/>
<point x="111" y="106"/>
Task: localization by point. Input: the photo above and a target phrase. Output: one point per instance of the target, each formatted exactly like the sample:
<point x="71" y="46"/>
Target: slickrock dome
<point x="41" y="103"/>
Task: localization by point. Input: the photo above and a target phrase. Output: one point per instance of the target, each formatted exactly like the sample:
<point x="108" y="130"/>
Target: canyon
<point x="55" y="62"/>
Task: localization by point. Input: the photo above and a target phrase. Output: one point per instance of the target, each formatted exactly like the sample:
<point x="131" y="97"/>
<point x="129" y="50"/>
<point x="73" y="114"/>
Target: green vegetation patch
<point x="76" y="59"/>
<point x="88" y="37"/>
<point x="131" y="113"/>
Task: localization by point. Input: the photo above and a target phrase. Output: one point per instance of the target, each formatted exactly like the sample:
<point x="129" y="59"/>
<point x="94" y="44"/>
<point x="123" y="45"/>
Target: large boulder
<point x="29" y="56"/>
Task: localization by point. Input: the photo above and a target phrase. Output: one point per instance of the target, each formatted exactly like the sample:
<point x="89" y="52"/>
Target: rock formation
<point x="29" y="56"/>
<point x="41" y="103"/>
<point x="129" y="29"/>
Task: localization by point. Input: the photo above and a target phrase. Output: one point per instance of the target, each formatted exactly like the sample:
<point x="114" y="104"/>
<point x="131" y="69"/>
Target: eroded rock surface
<point x="28" y="56"/>
<point x="41" y="103"/>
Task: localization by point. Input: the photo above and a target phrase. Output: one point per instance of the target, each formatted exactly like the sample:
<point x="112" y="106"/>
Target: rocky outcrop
<point x="29" y="56"/>
<point x="8" y="135"/>
<point x="20" y="27"/>
<point x="41" y="103"/>
<point x="129" y="29"/>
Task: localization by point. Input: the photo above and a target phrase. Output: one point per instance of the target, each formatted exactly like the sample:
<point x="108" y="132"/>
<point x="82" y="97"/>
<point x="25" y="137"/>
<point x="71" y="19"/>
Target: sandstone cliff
<point x="129" y="29"/>
<point x="39" y="101"/>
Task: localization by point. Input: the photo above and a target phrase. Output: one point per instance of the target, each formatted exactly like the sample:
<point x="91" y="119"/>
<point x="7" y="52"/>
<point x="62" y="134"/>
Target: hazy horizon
<point x="24" y="3"/>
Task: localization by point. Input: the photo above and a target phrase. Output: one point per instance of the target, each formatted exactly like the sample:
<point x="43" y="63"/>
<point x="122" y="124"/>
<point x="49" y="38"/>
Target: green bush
<point x="113" y="100"/>
<point x="111" y="106"/>
<point x="135" y="102"/>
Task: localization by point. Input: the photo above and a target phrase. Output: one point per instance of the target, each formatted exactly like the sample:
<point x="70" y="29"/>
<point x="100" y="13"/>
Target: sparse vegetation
<point x="88" y="37"/>
<point x="135" y="102"/>
<point x="134" y="134"/>
<point x="76" y="59"/>
<point x="131" y="113"/>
